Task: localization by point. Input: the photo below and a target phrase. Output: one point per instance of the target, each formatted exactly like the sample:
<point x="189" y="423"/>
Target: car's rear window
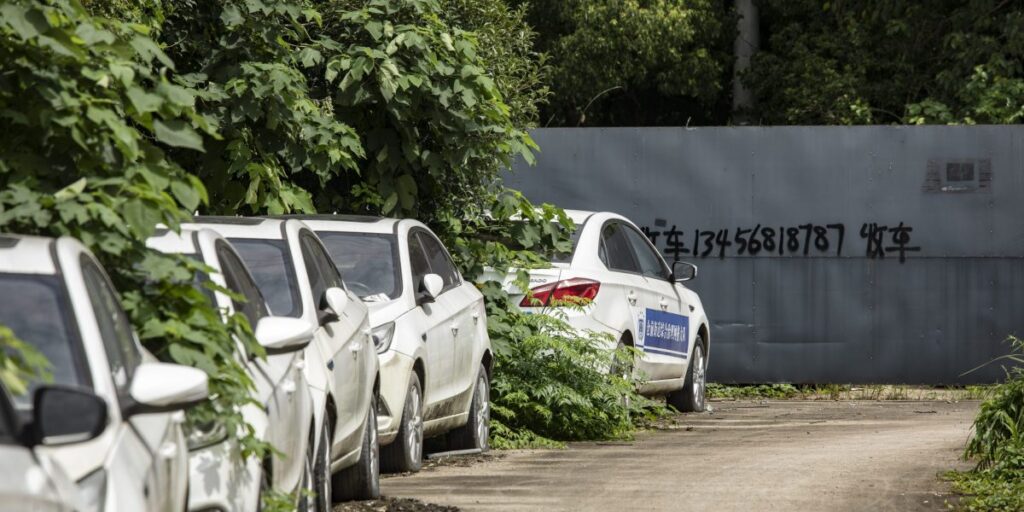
<point x="36" y="309"/>
<point x="368" y="263"/>
<point x="271" y="265"/>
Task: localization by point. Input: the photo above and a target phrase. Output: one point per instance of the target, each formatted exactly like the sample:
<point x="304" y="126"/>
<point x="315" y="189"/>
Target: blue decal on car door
<point x="664" y="333"/>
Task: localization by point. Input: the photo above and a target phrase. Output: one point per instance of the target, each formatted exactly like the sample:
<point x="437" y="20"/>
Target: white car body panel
<point x="340" y="365"/>
<point x="144" y="456"/>
<point x="32" y="482"/>
<point x="220" y="477"/>
<point x="624" y="301"/>
<point x="446" y="339"/>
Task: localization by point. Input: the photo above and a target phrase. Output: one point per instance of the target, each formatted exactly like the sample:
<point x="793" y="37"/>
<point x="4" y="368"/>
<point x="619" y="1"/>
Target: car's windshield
<point x="272" y="267"/>
<point x="36" y="310"/>
<point x="368" y="263"/>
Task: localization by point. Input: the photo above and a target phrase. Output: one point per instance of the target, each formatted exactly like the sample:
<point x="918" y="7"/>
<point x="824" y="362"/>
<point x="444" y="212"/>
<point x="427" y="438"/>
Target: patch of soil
<point x="386" y="504"/>
<point x="460" y="461"/>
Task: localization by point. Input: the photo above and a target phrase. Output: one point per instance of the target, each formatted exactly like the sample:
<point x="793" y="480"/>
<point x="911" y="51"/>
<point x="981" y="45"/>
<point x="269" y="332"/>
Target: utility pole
<point x="748" y="40"/>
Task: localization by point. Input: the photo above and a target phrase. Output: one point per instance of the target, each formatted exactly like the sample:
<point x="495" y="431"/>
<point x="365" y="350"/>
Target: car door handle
<point x="168" y="450"/>
<point x="476" y="317"/>
<point x="631" y="297"/>
<point x="288" y="386"/>
<point x="663" y="303"/>
<point x="455" y="329"/>
<point x="691" y="309"/>
<point x="354" y="348"/>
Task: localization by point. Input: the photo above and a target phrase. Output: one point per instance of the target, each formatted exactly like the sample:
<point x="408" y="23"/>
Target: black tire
<point x="405" y="453"/>
<point x="322" y="471"/>
<point x="691" y="397"/>
<point x="476" y="433"/>
<point x="362" y="480"/>
<point x="305" y="495"/>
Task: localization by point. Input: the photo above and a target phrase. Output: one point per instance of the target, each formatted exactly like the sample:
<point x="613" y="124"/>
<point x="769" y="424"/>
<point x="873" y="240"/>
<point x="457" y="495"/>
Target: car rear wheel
<point x="476" y="433"/>
<point x="362" y="481"/>
<point x="405" y="453"/>
<point x="691" y="397"/>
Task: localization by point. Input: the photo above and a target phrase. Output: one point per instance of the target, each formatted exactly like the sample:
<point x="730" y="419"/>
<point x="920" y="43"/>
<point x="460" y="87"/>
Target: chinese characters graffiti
<point x="801" y="240"/>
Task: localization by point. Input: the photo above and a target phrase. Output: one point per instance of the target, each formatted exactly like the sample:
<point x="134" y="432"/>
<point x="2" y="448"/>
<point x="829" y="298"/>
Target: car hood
<point x="384" y="312"/>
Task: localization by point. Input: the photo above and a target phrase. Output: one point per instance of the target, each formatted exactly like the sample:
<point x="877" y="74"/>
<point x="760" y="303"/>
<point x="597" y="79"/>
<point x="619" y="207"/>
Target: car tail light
<point x="571" y="290"/>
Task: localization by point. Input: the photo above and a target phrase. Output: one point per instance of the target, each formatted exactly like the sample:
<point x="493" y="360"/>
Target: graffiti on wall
<point x="878" y="241"/>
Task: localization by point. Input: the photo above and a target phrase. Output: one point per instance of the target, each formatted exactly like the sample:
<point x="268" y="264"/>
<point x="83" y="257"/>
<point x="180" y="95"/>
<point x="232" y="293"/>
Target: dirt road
<point x="786" y="456"/>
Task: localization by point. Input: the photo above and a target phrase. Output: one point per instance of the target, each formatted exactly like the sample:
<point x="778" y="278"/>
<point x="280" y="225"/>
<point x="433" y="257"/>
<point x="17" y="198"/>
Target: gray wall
<point x="950" y="200"/>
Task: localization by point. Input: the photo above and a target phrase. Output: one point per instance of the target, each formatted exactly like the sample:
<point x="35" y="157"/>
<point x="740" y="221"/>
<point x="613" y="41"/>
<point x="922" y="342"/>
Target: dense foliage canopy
<point x="888" y="61"/>
<point x="635" y="62"/>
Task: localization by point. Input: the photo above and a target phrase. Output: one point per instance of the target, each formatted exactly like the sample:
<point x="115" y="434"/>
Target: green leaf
<point x="143" y="101"/>
<point x="71" y="190"/>
<point x="185" y="194"/>
<point x="390" y="203"/>
<point x="25" y="21"/>
<point x="177" y="133"/>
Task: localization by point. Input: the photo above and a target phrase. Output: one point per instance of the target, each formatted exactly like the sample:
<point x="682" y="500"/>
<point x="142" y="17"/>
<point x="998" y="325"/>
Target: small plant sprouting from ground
<point x="997" y="482"/>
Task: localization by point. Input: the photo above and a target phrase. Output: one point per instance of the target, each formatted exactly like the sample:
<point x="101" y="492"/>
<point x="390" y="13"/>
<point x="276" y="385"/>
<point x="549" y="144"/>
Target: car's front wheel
<point x="405" y="453"/>
<point x="362" y="481"/>
<point x="477" y="430"/>
<point x="691" y="397"/>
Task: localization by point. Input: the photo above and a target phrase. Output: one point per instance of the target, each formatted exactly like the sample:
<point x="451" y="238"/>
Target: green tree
<point x="887" y="61"/>
<point x="85" y="107"/>
<point x="636" y="62"/>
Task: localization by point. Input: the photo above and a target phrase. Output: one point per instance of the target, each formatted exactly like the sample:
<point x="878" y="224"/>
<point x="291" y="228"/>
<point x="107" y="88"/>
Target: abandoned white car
<point x="58" y="299"/>
<point x="430" y="330"/>
<point x="282" y="414"/>
<point x="635" y="297"/>
<point x="298" y="280"/>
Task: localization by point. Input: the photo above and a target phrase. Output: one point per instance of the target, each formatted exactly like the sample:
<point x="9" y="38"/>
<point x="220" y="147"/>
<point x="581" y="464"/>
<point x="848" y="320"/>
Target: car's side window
<point x="317" y="282"/>
<point x="650" y="262"/>
<point x="238" y="280"/>
<point x="439" y="261"/>
<point x="328" y="269"/>
<point x="119" y="343"/>
<point x="615" y="250"/>
<point x="417" y="260"/>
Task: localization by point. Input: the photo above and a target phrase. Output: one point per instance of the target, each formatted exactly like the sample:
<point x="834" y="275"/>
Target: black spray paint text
<point x="880" y="241"/>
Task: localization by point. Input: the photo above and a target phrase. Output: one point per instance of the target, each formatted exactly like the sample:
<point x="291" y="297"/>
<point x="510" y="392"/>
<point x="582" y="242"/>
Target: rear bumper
<point x="395" y="370"/>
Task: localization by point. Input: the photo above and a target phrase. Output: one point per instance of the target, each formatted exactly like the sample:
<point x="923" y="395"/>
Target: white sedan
<point x="282" y="412"/>
<point x="298" y="280"/>
<point x="636" y="298"/>
<point x="58" y="299"/>
<point x="430" y="328"/>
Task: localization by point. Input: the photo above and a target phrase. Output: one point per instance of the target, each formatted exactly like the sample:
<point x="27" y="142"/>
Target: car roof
<point x="185" y="242"/>
<point x="23" y="254"/>
<point x="350" y="223"/>
<point x="240" y="227"/>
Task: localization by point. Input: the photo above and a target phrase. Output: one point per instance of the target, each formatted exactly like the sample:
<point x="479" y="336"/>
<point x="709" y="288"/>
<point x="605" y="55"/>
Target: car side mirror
<point x="280" y="334"/>
<point x="63" y="415"/>
<point x="165" y="387"/>
<point x="430" y="288"/>
<point x="334" y="302"/>
<point x="683" y="271"/>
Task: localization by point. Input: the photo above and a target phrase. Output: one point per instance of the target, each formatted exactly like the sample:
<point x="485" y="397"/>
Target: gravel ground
<point x="787" y="455"/>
